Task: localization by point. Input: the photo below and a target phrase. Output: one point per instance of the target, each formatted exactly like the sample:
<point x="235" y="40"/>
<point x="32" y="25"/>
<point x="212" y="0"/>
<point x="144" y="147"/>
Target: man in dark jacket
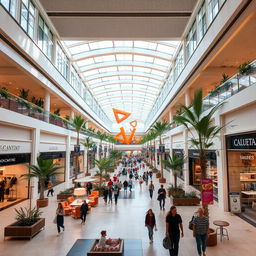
<point x="83" y="210"/>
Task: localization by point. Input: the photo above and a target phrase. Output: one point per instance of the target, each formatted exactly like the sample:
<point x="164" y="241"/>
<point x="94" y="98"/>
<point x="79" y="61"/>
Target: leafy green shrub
<point x="186" y="195"/>
<point x="68" y="191"/>
<point x="172" y="188"/>
<point x="27" y="217"/>
<point x="245" y="68"/>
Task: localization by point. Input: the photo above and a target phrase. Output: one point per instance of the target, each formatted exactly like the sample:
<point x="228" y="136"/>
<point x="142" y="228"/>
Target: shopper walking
<point x="125" y="184"/>
<point x="88" y="188"/>
<point x="110" y="194"/>
<point x="173" y="228"/>
<point x="50" y="188"/>
<point x="150" y="223"/>
<point x="141" y="181"/>
<point x="83" y="210"/>
<point x="200" y="231"/>
<point x="161" y="197"/>
<point x="151" y="189"/>
<point x="60" y="218"/>
<point x="105" y="195"/>
<point x="130" y="185"/>
<point x="116" y="193"/>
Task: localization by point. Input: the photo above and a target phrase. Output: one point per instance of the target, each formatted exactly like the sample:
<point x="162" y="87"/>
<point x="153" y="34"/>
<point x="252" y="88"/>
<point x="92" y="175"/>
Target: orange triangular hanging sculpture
<point x="118" y="112"/>
<point x="133" y="123"/>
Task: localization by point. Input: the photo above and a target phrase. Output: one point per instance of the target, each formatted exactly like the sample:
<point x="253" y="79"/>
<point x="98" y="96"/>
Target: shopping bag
<point x="167" y="244"/>
<point x="55" y="220"/>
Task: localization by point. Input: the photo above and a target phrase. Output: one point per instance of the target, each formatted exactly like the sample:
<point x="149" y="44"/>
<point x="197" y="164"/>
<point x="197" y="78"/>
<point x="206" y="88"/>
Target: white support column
<point x="68" y="150"/>
<point x="170" y="116"/>
<point x="171" y="152"/>
<point x="72" y="115"/>
<point x="47" y="105"/>
<point x="187" y="98"/>
<point x="34" y="155"/>
<point x="186" y="165"/>
<point x="221" y="166"/>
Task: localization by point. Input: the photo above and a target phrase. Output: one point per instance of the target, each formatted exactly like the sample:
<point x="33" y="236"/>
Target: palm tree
<point x="103" y="165"/>
<point x="88" y="144"/>
<point x="203" y="126"/>
<point x="160" y="128"/>
<point x="78" y="123"/>
<point x="43" y="171"/>
<point x="175" y="163"/>
<point x="115" y="155"/>
<point x="101" y="136"/>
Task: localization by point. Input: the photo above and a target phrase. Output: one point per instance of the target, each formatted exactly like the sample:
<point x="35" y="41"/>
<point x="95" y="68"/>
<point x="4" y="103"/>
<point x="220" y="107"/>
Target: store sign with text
<point x="244" y="141"/>
<point x="207" y="191"/>
<point x="12" y="159"/>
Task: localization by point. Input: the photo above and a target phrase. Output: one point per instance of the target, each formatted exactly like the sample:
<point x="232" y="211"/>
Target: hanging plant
<point x="57" y="112"/>
<point x="4" y="92"/>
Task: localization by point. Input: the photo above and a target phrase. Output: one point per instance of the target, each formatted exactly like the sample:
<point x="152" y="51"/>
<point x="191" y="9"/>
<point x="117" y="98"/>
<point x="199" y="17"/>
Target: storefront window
<point x="241" y="160"/>
<point x="73" y="163"/>
<point x="27" y="18"/>
<point x="12" y="187"/>
<point x="195" y="170"/>
<point x="10" y="6"/>
<point x="45" y="38"/>
<point x="60" y="159"/>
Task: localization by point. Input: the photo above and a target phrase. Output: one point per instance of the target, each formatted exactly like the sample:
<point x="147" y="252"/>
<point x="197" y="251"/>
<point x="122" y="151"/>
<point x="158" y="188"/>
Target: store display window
<point x="60" y="159"/>
<point x="13" y="188"/>
<point x="73" y="163"/>
<point x="195" y="170"/>
<point x="241" y="162"/>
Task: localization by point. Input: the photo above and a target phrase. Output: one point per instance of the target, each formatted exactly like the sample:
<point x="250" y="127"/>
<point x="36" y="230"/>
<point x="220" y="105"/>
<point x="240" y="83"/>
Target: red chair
<point x="93" y="201"/>
<point x="95" y="193"/>
<point x="67" y="208"/>
<point x="70" y="199"/>
<point x="76" y="213"/>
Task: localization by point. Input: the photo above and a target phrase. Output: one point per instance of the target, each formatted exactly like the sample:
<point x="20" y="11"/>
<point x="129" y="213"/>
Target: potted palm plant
<point x="44" y="170"/>
<point x="175" y="163"/>
<point x="160" y="128"/>
<point x="116" y="156"/>
<point x="28" y="224"/>
<point x="78" y="123"/>
<point x="88" y="144"/>
<point x="103" y="165"/>
<point x="202" y="124"/>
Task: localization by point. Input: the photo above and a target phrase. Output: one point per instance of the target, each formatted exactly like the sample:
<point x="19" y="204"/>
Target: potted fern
<point x="28" y="223"/>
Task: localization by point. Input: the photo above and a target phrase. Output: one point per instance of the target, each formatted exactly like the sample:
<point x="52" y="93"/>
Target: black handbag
<point x="191" y="223"/>
<point x="167" y="243"/>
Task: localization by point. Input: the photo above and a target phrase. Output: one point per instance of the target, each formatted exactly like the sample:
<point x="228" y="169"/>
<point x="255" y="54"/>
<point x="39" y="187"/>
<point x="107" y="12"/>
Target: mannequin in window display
<point x="2" y="189"/>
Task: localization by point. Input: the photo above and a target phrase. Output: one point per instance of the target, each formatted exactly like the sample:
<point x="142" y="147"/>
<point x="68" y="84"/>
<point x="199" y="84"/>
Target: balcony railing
<point x="229" y="88"/>
<point x="14" y="103"/>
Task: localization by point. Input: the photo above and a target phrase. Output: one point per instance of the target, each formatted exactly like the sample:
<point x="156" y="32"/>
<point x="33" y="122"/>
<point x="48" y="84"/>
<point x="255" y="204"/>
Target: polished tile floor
<point x="126" y="220"/>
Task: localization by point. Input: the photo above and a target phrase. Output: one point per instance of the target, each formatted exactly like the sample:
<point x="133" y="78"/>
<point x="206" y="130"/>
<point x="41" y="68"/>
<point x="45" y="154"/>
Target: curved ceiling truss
<point x="123" y="74"/>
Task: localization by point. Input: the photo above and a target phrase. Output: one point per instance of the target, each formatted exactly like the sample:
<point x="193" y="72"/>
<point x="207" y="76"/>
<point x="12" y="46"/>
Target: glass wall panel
<point x="201" y="22"/>
<point x="62" y="61"/>
<point x="213" y="8"/>
<point x="27" y="18"/>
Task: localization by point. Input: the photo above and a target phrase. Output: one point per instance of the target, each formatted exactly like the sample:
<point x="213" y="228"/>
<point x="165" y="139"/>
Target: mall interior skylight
<point x="126" y="75"/>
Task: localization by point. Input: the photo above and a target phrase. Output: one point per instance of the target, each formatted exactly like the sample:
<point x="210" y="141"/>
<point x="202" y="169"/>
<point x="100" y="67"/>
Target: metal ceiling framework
<point x="128" y="75"/>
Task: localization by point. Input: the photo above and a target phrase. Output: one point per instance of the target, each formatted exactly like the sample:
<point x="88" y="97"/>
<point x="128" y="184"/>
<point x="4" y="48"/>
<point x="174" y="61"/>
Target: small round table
<point x="221" y="227"/>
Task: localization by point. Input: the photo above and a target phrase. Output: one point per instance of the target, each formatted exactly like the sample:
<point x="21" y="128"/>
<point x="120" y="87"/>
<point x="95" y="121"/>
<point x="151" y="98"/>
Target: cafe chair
<point x="67" y="208"/>
<point x="76" y="213"/>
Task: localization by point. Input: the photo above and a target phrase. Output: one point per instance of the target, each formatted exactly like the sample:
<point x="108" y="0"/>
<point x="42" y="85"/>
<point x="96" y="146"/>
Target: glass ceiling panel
<point x="124" y="74"/>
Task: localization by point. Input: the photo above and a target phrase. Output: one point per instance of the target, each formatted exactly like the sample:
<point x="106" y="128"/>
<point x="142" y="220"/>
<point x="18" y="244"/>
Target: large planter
<point x="158" y="175"/>
<point x="16" y="231"/>
<point x="212" y="238"/>
<point x="40" y="203"/>
<point x="162" y="180"/>
<point x="154" y="170"/>
<point x="63" y="196"/>
<point x="111" y="170"/>
<point x="88" y="174"/>
<point x="175" y="191"/>
<point x="185" y="201"/>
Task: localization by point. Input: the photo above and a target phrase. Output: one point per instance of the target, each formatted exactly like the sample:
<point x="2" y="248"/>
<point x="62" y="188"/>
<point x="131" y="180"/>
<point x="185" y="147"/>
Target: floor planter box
<point x="15" y="231"/>
<point x="92" y="252"/>
<point x="158" y="175"/>
<point x="63" y="196"/>
<point x="176" y="191"/>
<point x="162" y="180"/>
<point x="154" y="170"/>
<point x="111" y="170"/>
<point x="185" y="201"/>
<point x="40" y="203"/>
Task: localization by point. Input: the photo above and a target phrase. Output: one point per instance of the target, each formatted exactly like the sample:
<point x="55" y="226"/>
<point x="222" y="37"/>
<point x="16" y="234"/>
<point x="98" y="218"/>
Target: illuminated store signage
<point x="245" y="141"/>
<point x="12" y="159"/>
